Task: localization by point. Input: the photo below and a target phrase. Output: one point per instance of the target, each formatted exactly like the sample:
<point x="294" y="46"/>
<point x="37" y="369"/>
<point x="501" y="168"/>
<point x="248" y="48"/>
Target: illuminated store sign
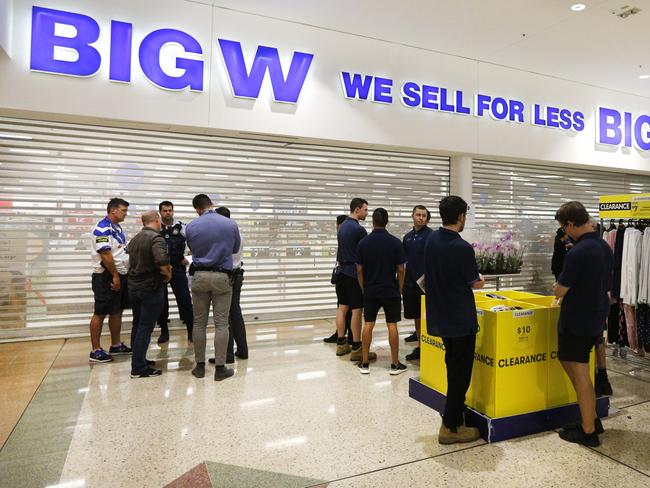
<point x="55" y="32"/>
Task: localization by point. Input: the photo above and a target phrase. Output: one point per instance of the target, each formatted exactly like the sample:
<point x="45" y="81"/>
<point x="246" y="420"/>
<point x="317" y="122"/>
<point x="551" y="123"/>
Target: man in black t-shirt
<point x="380" y="270"/>
<point x="450" y="274"/>
<point x="582" y="286"/>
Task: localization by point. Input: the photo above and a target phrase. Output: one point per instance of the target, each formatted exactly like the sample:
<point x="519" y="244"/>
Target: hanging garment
<point x="618" y="261"/>
<point x="622" y="326"/>
<point x="644" y="269"/>
<point x="643" y="325"/>
<point x="613" y="323"/>
<point x="630" y="320"/>
<point x="630" y="265"/>
<point x="611" y="239"/>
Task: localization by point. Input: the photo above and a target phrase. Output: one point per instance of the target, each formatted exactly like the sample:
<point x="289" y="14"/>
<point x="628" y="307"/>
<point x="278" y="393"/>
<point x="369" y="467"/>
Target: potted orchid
<point x="504" y="256"/>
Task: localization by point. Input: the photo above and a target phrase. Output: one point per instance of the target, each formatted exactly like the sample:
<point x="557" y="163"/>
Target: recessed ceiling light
<point x="644" y="77"/>
<point x="578" y="7"/>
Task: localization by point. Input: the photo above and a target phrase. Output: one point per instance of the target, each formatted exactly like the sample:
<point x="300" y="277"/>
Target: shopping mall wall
<point x="416" y="98"/>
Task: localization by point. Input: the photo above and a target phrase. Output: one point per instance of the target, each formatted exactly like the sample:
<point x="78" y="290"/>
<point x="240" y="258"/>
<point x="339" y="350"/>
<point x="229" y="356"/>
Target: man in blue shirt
<point x="583" y="287"/>
<point x="380" y="270"/>
<point x="348" y="291"/>
<point x="450" y="274"/>
<point x="413" y="243"/>
<point x="212" y="239"/>
<point x="109" y="280"/>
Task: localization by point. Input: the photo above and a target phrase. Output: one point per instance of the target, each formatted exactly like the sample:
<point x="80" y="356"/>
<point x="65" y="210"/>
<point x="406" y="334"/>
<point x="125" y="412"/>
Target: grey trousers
<point x="214" y="288"/>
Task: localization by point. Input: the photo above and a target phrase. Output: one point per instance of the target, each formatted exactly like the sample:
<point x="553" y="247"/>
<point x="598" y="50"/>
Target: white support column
<point x="461" y="185"/>
<point x="6" y="23"/>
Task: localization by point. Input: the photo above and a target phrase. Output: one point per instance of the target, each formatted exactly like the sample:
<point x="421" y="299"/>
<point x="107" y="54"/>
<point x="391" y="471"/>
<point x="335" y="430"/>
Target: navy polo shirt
<point x="587" y="272"/>
<point x="449" y="272"/>
<point x="349" y="234"/>
<point x="413" y="244"/>
<point x="379" y="254"/>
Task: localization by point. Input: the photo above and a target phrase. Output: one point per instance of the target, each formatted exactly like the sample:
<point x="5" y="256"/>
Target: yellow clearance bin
<point x="560" y="389"/>
<point x="510" y="375"/>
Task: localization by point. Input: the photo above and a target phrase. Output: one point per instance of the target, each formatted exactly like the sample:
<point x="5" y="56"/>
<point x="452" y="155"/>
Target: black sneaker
<point x="414" y="356"/>
<point x="412" y="338"/>
<point x="147" y="373"/>
<point x="221" y="373"/>
<point x="398" y="368"/>
<point x="578" y="436"/>
<point x="364" y="368"/>
<point x="211" y="360"/>
<point x="150" y="363"/>
<point x="230" y="359"/>
<point x="331" y="339"/>
<point x="121" y="348"/>
<point x="199" y="370"/>
<point x="597" y="423"/>
<point x="100" y="356"/>
<point x="241" y="355"/>
<point x="164" y="338"/>
<point x="602" y="386"/>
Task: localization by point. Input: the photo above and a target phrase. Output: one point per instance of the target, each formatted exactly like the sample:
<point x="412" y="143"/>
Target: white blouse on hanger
<point x="644" y="269"/>
<point x="631" y="265"/>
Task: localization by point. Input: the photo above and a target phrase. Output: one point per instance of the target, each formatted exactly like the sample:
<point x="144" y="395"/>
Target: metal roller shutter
<point x="524" y="198"/>
<point x="56" y="178"/>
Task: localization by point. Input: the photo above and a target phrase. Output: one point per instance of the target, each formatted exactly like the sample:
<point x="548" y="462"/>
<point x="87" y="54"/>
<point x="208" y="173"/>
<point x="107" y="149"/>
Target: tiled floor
<point x="293" y="415"/>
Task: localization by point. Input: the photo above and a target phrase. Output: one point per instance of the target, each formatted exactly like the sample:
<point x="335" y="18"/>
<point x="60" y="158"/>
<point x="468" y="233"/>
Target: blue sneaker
<point x="100" y="356"/>
<point x="120" y="349"/>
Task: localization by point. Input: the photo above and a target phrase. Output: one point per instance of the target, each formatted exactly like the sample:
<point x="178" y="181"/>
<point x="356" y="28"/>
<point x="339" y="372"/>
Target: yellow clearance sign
<point x="615" y="207"/>
<point x="641" y="206"/>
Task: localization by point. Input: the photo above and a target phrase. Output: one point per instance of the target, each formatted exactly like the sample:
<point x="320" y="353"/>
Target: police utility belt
<point x="215" y="269"/>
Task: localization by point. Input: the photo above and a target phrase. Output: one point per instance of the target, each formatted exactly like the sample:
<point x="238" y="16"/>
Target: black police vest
<point x="175" y="243"/>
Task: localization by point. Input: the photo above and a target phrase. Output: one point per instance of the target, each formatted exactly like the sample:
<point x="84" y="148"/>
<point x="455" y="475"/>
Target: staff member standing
<point x="236" y="325"/>
<point x="450" y="274"/>
<point x="380" y="269"/>
<point x="174" y="235"/>
<point x="583" y="285"/>
<point x="110" y="263"/>
<point x="149" y="273"/>
<point x="212" y="239"/>
<point x="413" y="243"/>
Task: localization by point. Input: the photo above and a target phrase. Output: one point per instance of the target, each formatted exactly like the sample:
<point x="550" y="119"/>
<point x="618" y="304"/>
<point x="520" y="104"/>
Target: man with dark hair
<point x="109" y="280"/>
<point x="413" y="243"/>
<point x="348" y="291"/>
<point x="236" y="325"/>
<point x="173" y="231"/>
<point x="212" y="239"/>
<point x="149" y="273"/>
<point x="348" y="317"/>
<point x="450" y="274"/>
<point x="583" y="288"/>
<point x="380" y="271"/>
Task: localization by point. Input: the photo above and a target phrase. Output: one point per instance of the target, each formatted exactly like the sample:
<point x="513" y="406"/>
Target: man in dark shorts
<point x="413" y="244"/>
<point x="109" y="280"/>
<point x="348" y="317"/>
<point x="380" y="270"/>
<point x="583" y="285"/>
<point x="450" y="274"/>
<point x="348" y="292"/>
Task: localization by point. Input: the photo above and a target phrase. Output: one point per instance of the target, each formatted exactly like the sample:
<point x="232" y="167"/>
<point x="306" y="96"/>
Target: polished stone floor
<point x="294" y="415"/>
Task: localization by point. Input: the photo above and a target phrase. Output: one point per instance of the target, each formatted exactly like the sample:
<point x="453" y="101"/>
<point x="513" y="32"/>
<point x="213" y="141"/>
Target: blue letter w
<point x="245" y="84"/>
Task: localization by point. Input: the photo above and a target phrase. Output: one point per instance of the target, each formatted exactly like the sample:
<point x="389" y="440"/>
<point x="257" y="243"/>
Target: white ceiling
<point x="544" y="36"/>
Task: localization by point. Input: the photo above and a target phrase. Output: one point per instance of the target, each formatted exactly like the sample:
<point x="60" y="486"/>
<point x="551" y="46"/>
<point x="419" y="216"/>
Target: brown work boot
<point x="463" y="434"/>
<point x="343" y="349"/>
<point x="357" y="355"/>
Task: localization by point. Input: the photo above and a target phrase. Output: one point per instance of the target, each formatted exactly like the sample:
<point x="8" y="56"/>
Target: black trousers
<point x="459" y="358"/>
<point x="236" y="324"/>
<point x="181" y="289"/>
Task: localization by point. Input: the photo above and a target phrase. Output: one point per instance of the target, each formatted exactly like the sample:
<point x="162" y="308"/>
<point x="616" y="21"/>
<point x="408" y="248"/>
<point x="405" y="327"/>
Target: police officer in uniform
<point x="174" y="234"/>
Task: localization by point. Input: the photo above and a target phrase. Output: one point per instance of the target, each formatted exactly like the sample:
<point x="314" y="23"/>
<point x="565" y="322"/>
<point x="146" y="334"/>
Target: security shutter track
<point x="524" y="198"/>
<point x="56" y="178"/>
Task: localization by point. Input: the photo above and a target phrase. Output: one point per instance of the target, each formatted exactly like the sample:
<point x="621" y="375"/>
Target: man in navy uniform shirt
<point x="348" y="291"/>
<point x="174" y="233"/>
<point x="450" y="274"/>
<point x="413" y="243"/>
<point x="583" y="286"/>
<point x="380" y="270"/>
